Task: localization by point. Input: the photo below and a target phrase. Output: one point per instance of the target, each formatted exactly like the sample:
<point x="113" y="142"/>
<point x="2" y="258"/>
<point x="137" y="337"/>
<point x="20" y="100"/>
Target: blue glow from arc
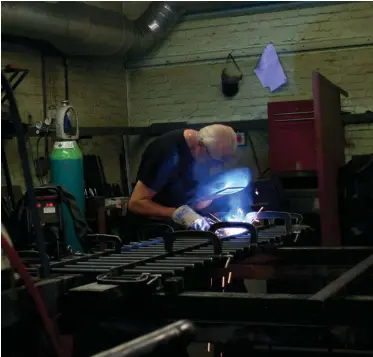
<point x="226" y="183"/>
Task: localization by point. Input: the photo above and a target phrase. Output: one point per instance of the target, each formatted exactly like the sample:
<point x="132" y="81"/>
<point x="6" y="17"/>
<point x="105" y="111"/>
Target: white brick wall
<point x="192" y="92"/>
<point x="181" y="80"/>
<point x="97" y="89"/>
<point x="322" y="27"/>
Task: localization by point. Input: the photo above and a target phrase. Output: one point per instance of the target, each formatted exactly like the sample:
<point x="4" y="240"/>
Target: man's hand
<point x="187" y="218"/>
<point x="201" y="225"/>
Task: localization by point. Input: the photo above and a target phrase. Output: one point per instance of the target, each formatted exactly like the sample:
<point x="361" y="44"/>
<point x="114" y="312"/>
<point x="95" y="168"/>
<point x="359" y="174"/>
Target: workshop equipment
<point x="130" y="289"/>
<point x="193" y="275"/>
<point x="176" y="264"/>
<point x="49" y="206"/>
<point x="307" y="138"/>
<point x="180" y="259"/>
<point x="269" y="194"/>
<point x="292" y="136"/>
<point x="67" y="166"/>
<point x="50" y="200"/>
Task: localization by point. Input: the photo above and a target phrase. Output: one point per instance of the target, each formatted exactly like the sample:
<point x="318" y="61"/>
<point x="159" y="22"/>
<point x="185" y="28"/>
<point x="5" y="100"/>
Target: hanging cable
<point x="35" y="163"/>
<point x="44" y="92"/>
<point x="16" y="263"/>
<point x="254" y="154"/>
<point x="66" y="77"/>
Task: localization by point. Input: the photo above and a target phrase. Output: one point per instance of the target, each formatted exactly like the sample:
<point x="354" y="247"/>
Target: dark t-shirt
<point x="167" y="167"/>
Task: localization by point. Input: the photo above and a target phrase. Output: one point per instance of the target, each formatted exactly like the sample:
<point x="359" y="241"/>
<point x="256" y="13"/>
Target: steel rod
<point x="340" y="283"/>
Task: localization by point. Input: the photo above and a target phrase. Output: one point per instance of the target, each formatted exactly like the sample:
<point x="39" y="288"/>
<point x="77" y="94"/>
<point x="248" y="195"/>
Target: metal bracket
<point x="16" y="82"/>
<point x="100" y="238"/>
<point x="251" y="229"/>
<point x="169" y="239"/>
<point x="286" y="217"/>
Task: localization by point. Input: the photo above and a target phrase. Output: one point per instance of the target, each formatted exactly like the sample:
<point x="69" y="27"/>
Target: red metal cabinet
<point x="292" y="136"/>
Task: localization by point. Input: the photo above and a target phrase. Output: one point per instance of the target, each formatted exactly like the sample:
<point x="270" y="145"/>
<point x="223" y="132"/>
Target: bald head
<point x="219" y="140"/>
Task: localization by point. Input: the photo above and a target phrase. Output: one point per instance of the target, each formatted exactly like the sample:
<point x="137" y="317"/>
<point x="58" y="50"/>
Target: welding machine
<point x="49" y="208"/>
<point x="49" y="201"/>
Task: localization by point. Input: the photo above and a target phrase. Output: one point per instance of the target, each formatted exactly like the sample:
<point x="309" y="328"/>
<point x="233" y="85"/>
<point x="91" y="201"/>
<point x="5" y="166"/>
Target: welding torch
<point x="214" y="219"/>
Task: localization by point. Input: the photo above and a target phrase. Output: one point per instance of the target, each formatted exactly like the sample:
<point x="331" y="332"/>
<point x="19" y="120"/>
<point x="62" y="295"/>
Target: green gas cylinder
<point x="67" y="171"/>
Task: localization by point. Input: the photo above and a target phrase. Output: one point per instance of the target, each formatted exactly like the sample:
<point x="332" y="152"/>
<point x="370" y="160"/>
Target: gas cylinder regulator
<point x="63" y="120"/>
<point x="67" y="125"/>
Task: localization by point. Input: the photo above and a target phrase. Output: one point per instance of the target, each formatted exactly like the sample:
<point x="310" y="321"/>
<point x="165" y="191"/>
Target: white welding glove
<point x="187" y="218"/>
<point x="251" y="217"/>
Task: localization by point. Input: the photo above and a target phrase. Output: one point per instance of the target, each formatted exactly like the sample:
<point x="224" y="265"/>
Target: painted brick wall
<point x="97" y="90"/>
<point x="181" y="80"/>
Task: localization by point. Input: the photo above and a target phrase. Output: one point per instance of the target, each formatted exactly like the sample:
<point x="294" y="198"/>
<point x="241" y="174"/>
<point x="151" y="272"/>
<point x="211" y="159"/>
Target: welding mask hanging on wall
<point x="230" y="84"/>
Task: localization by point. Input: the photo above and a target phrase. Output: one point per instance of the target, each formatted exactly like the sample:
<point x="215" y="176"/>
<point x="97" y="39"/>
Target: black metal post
<point x="16" y="119"/>
<point x="66" y="77"/>
<point x="44" y="91"/>
<point x="8" y="180"/>
<point x="332" y="289"/>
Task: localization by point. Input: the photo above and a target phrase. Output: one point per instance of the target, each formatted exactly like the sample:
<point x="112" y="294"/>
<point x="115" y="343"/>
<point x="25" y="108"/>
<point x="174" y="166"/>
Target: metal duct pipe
<point x="76" y="28"/>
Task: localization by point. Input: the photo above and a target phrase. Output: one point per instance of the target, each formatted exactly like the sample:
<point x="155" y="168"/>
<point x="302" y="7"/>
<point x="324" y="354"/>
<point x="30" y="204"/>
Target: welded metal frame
<point x="320" y="307"/>
<point x="325" y="306"/>
<point x="336" y="295"/>
<point x="221" y="315"/>
<point x="13" y="80"/>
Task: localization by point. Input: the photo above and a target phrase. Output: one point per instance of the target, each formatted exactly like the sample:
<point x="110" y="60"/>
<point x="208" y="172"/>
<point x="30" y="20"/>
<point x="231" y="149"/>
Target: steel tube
<point x="76" y="28"/>
<point x="145" y="345"/>
<point x="344" y="280"/>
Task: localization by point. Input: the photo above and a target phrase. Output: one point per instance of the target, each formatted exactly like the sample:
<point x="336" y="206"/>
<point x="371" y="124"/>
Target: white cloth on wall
<point x="269" y="69"/>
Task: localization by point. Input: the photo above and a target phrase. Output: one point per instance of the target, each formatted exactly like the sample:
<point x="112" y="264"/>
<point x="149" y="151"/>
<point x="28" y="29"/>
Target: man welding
<point x="171" y="169"/>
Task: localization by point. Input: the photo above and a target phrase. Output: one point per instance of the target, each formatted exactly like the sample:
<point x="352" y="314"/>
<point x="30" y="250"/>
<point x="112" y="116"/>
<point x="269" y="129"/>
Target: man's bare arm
<point x="203" y="204"/>
<point x="141" y="203"/>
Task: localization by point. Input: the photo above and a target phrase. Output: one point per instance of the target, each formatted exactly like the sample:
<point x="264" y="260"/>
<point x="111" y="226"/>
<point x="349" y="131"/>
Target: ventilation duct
<point x="76" y="28"/>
